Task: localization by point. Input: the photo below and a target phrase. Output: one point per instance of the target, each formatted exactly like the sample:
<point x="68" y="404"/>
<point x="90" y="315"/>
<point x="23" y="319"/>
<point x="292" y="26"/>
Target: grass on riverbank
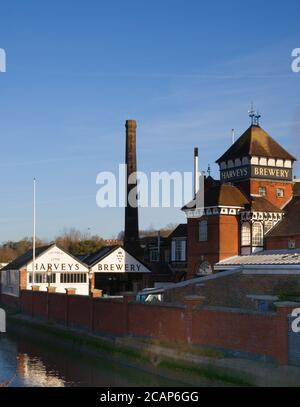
<point x="180" y="347"/>
<point x="209" y="372"/>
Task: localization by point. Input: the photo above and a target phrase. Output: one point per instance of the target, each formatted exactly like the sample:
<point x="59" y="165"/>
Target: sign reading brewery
<point x="256" y="171"/>
<point x="120" y="261"/>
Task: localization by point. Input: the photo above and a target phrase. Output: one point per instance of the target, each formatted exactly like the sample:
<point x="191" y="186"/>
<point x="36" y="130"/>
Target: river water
<point x="31" y="363"/>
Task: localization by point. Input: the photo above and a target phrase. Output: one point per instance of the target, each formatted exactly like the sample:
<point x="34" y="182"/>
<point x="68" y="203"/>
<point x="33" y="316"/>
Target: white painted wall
<point x="59" y="262"/>
<point x="119" y="261"/>
<point x="81" y="289"/>
<point x="10" y="282"/>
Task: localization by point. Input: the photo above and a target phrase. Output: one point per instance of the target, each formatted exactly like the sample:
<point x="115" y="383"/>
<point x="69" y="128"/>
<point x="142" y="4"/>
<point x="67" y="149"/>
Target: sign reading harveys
<point x="57" y="261"/>
<point x="120" y="261"/>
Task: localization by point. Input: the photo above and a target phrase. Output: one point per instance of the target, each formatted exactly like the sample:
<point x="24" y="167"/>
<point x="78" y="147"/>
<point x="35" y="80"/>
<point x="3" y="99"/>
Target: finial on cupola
<point x="257" y="119"/>
<point x="254" y="116"/>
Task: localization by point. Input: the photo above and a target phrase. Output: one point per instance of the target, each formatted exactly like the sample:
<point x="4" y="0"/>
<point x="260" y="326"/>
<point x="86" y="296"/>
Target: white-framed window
<point x="246" y="234"/>
<point x="74" y="278"/>
<point x="262" y="191"/>
<point x="42" y="278"/>
<point x="280" y="193"/>
<point x="257" y="234"/>
<point x="154" y="257"/>
<point x="178" y="250"/>
<point x="203" y="231"/>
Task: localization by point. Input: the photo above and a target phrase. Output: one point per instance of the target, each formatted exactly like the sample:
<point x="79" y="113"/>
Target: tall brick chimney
<point x="131" y="237"/>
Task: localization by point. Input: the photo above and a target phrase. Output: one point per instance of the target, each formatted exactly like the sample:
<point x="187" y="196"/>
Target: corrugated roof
<point x="266" y="257"/>
<point x="255" y="142"/>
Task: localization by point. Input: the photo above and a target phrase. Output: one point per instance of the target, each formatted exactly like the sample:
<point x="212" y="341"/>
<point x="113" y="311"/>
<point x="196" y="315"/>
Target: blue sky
<point x="187" y="71"/>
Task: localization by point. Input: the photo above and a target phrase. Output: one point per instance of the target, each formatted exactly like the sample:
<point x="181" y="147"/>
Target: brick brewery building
<point x="253" y="203"/>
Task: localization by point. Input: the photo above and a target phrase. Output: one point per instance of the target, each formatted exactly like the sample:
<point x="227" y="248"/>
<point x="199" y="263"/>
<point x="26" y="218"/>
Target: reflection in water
<point x="34" y="364"/>
<point x="34" y="373"/>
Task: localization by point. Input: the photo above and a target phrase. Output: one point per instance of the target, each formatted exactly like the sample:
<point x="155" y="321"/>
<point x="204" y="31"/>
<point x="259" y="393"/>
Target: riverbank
<point x="131" y="352"/>
<point x="191" y="366"/>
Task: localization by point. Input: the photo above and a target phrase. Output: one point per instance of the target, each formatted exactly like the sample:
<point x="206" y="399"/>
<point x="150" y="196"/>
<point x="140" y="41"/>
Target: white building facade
<point x="111" y="270"/>
<point x="53" y="267"/>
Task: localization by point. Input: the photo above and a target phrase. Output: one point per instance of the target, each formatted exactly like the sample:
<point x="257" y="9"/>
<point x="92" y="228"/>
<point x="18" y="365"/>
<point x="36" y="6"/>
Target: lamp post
<point x="34" y="232"/>
<point x="49" y="274"/>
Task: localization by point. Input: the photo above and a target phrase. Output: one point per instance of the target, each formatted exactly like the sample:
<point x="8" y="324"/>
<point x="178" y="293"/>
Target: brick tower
<point x="256" y="183"/>
<point x="131" y="237"/>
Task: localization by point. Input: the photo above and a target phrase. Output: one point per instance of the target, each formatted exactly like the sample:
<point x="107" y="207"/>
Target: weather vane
<point x="254" y="116"/>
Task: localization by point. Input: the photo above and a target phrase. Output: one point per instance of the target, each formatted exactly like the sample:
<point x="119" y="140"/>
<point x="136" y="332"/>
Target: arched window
<point x="203" y="231"/>
<point x="257" y="234"/>
<point x="205" y="269"/>
<point x="246" y="234"/>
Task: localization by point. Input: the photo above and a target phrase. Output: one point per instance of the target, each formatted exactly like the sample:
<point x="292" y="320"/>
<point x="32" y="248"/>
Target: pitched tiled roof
<point x="255" y="142"/>
<point x="261" y="204"/>
<point x="223" y="195"/>
<point x="26" y="258"/>
<point x="290" y="225"/>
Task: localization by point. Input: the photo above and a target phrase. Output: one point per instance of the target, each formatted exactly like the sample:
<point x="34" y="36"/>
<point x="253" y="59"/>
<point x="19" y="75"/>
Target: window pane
<point x="203" y="231"/>
<point x="280" y="193"/>
<point x="257" y="234"/>
<point x="246" y="234"/>
<point x="262" y="191"/>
